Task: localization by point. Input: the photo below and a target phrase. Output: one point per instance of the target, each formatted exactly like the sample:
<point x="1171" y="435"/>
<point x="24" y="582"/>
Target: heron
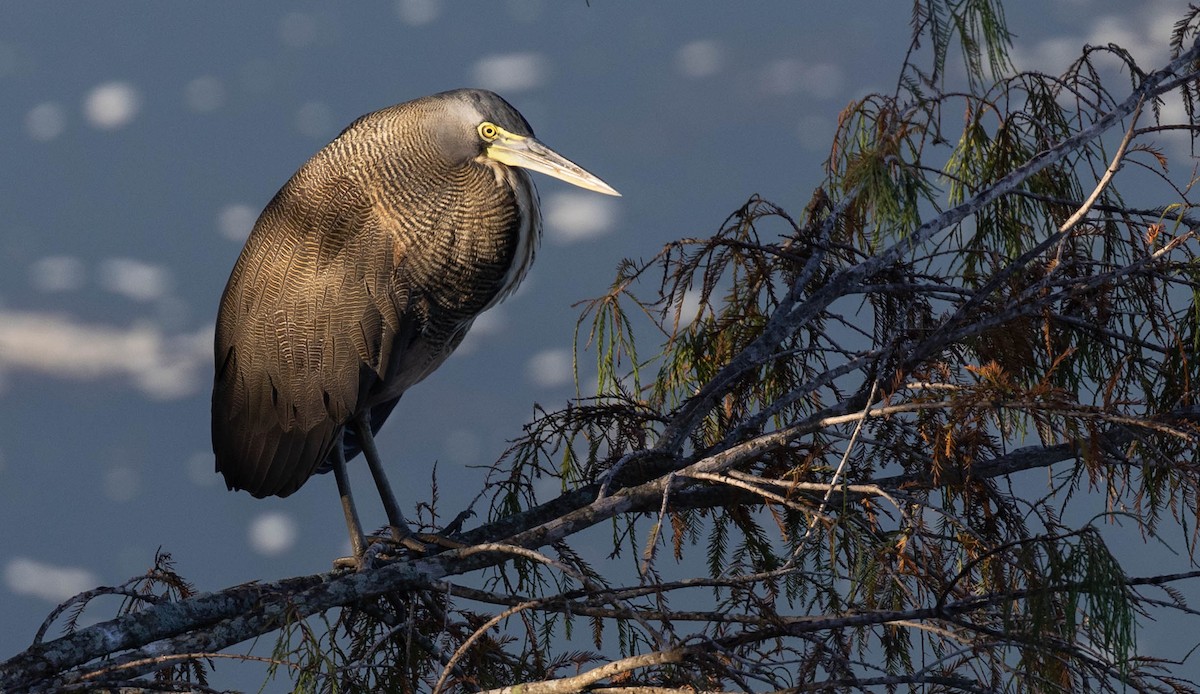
<point x="361" y="276"/>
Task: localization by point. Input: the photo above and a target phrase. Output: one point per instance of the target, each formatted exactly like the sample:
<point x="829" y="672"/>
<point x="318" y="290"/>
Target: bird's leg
<point x="401" y="533"/>
<point x="357" y="543"/>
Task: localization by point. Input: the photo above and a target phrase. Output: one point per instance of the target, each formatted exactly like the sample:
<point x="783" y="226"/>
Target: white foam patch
<point x="790" y="76"/>
<point x="26" y="576"/>
<point x="112" y="105"/>
<point x="550" y="368"/>
<point x="204" y="94"/>
<point x="418" y="12"/>
<point x="315" y="119"/>
<point x="1144" y="35"/>
<point x="134" y="279"/>
<point x="1160" y="22"/>
<point x="57" y="273"/>
<point x="823" y="80"/>
<point x="45" y="121"/>
<point x="688" y="307"/>
<point x="298" y="29"/>
<point x="574" y="216"/>
<point x="122" y="484"/>
<point x="1173" y="111"/>
<point x="235" y="221"/>
<point x="1119" y="30"/>
<point x="161" y="367"/>
<point x="700" y="59"/>
<point x="272" y="533"/>
<point x="1052" y="55"/>
<point x="511" y="72"/>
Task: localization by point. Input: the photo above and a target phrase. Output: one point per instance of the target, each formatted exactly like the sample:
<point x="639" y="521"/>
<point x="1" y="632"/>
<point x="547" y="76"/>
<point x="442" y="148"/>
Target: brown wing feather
<point x="307" y="324"/>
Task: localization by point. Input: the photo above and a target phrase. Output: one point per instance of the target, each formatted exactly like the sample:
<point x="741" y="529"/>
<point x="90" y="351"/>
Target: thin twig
<point x="1108" y="174"/>
<point x="654" y="532"/>
<point x="837" y="474"/>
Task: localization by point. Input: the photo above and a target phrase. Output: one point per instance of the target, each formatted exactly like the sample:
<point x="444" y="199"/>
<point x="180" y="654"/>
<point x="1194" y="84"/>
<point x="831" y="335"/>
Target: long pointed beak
<point x="528" y="153"/>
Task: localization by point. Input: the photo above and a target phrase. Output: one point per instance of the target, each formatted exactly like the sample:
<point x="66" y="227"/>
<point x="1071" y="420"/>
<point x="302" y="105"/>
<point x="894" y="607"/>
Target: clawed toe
<point x="388" y="545"/>
<point x="417" y="543"/>
<point x="398" y="541"/>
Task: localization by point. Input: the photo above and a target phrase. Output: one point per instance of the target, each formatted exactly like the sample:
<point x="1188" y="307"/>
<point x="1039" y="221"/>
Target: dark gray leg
<point x="400" y="530"/>
<point x="357" y="543"/>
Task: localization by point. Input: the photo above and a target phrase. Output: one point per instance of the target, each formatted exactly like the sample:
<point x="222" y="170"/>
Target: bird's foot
<point x="399" y="539"/>
<point x="391" y="542"/>
<point x="440" y="541"/>
<point x="380" y="550"/>
<point x="351" y="563"/>
<point x="454" y="527"/>
<point x="414" y="543"/>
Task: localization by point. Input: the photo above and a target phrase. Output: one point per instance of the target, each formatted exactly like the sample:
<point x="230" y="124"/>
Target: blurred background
<point x="139" y="140"/>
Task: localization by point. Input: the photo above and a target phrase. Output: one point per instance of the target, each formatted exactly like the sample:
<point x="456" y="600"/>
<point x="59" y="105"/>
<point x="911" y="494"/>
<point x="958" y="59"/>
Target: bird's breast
<point x="468" y="245"/>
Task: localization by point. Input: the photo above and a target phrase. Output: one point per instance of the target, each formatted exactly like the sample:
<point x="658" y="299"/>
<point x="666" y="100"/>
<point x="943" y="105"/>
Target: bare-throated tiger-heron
<point x="361" y="276"/>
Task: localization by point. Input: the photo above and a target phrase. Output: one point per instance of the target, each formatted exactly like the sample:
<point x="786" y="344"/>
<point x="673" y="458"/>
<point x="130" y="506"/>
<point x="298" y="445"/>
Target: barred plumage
<point x="364" y="273"/>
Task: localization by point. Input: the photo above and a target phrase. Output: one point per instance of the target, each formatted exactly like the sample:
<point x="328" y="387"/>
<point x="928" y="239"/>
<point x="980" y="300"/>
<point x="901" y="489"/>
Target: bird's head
<point x="480" y="125"/>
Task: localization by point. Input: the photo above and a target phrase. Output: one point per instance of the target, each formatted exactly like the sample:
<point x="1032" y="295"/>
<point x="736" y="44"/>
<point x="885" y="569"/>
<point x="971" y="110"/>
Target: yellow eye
<point x="488" y="131"/>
